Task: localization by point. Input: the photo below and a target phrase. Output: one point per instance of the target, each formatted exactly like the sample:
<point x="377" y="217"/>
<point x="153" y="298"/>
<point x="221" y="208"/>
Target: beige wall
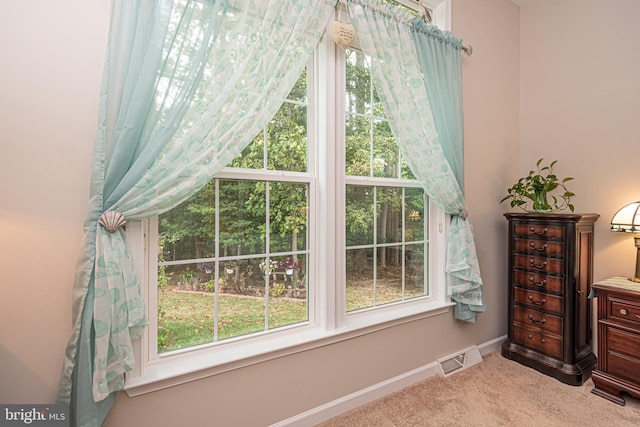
<point x="52" y="61"/>
<point x="580" y="104"/>
<point x="52" y="54"/>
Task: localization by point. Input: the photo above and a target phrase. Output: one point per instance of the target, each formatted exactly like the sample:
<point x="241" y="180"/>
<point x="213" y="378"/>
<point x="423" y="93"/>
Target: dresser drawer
<point x="538" y="340"/>
<point x="623" y="367"/>
<point x="624" y="310"/>
<point x="623" y="342"/>
<point x="539" y="230"/>
<point x="538" y="263"/>
<point x="534" y="319"/>
<point x="540" y="300"/>
<point x="541" y="282"/>
<point x="540" y="247"/>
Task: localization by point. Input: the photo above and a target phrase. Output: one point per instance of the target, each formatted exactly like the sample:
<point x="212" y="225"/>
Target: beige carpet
<point x="496" y="392"/>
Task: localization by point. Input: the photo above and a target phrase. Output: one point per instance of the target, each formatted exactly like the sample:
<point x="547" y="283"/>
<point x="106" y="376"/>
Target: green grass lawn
<point x="186" y="318"/>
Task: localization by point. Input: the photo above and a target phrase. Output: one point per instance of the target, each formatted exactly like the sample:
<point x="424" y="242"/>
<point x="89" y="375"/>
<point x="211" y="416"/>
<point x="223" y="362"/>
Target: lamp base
<point x="636" y="241"/>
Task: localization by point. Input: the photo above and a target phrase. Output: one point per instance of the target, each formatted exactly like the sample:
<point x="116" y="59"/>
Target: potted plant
<point x="290" y="264"/>
<point x="268" y="267"/>
<point x="543" y="189"/>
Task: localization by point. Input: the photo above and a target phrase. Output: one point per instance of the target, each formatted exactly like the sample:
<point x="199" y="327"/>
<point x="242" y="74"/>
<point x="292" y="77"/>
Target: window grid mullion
<point x="375" y="245"/>
<point x="268" y="250"/>
<point x="403" y="214"/>
<point x="217" y="262"/>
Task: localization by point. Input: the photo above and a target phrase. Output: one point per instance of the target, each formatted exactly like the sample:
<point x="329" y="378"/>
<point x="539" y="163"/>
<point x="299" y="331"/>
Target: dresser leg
<point x="604" y="388"/>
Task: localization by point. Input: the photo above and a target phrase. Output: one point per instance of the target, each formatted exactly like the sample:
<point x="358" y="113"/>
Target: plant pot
<point x="289" y="271"/>
<point x="540" y="204"/>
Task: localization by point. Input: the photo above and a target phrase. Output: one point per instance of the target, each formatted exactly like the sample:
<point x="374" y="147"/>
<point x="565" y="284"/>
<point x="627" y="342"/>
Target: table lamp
<point x="627" y="220"/>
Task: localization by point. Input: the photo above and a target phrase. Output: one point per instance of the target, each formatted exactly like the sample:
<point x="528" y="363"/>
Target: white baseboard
<point x="376" y="391"/>
<point x="491" y="346"/>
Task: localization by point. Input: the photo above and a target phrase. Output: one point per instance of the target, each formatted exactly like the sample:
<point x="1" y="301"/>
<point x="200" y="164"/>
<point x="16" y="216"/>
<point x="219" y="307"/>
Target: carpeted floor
<point x="496" y="392"/>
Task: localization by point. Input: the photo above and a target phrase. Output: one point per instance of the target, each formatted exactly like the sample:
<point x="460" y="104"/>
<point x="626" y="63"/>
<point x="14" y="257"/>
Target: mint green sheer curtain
<point x="186" y="86"/>
<point x="441" y="65"/>
<point x="384" y="32"/>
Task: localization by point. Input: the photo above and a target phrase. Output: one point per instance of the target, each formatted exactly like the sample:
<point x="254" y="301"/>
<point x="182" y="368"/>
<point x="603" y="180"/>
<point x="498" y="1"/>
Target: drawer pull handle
<point x="537" y="322"/>
<point x="539" y="284"/>
<point x="623" y="312"/>
<point x="542" y="301"/>
<point x="540" y="249"/>
<point x="540" y="266"/>
<point x="533" y="231"/>
<point x="542" y="340"/>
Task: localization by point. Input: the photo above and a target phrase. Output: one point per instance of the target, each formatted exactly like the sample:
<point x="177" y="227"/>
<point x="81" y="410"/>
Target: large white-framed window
<point x="316" y="233"/>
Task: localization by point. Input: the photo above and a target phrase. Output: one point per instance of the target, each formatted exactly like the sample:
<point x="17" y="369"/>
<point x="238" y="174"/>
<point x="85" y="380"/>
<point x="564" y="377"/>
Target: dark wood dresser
<point x="550" y="276"/>
<point x="618" y="339"/>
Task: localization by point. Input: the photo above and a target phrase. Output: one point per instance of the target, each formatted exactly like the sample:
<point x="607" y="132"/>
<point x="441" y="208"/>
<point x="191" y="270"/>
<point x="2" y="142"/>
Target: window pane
<point x="241" y="277"/>
<point x="389" y="215"/>
<point x="287" y="139"/>
<point x="414" y="276"/>
<point x="415" y="214"/>
<point x="405" y="171"/>
<point x="188" y="230"/>
<point x="252" y="157"/>
<point x="359" y="215"/>
<point x="288" y="291"/>
<point x="389" y="275"/>
<point x="360" y="289"/>
<point x="242" y="217"/>
<point x="185" y="317"/>
<point x="299" y="91"/>
<point x="358" y="146"/>
<point x="370" y="147"/>
<point x="241" y="301"/>
<point x="286" y="142"/>
<point x="385" y="151"/>
<point x="358" y="82"/>
<point x="288" y="207"/>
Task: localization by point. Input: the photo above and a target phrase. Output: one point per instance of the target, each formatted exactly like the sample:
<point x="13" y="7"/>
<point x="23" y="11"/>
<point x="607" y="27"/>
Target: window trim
<point x="328" y="321"/>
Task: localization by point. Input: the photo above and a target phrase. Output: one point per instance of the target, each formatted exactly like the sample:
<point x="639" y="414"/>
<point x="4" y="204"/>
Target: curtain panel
<point x="385" y="33"/>
<point x="186" y="86"/>
<point x="441" y="65"/>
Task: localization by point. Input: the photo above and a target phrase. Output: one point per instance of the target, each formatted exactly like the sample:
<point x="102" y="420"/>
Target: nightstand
<point x="618" y="367"/>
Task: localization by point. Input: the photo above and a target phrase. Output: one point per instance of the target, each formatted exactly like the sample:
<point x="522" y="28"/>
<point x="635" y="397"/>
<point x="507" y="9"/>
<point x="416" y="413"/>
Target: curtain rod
<point x="425" y="15"/>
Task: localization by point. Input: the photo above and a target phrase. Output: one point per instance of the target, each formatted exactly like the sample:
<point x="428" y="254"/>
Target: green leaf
<point x="525" y="189"/>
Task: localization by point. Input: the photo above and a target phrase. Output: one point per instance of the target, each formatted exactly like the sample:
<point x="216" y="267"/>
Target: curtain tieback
<point x="464" y="214"/>
<point x="112" y="220"/>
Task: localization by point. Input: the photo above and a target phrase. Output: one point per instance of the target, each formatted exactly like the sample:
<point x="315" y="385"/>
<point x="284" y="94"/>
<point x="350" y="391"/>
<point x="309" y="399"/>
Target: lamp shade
<point x="627" y="219"/>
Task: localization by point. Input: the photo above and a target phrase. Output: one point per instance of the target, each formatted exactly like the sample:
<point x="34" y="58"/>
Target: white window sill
<point x="194" y="364"/>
